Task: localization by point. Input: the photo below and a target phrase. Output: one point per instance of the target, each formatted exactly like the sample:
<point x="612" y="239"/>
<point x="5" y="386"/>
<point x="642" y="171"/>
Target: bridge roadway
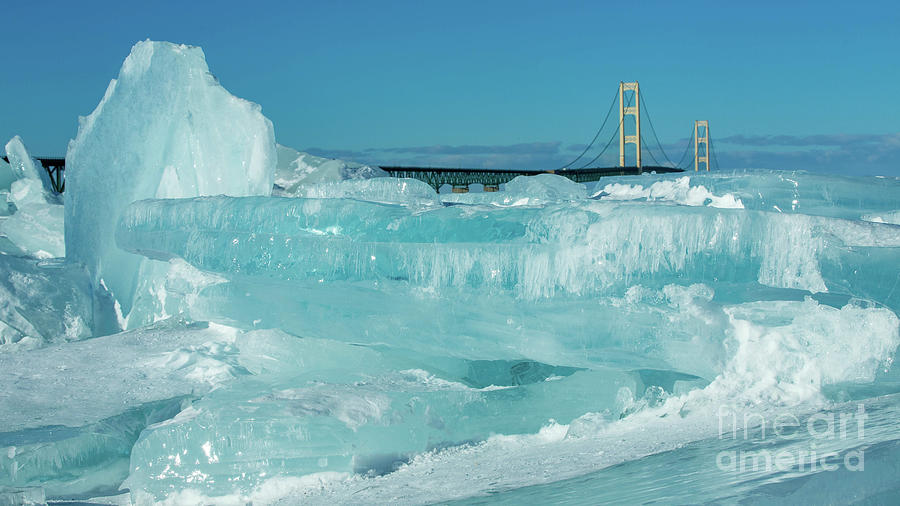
<point x="460" y="178"/>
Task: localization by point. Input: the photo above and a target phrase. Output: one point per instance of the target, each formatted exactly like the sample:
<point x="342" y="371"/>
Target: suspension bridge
<point x="631" y="104"/>
<point x="632" y="107"/>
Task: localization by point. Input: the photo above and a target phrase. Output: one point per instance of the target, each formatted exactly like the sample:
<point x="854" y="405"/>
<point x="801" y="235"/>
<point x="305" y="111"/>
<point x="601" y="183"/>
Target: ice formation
<point x="7" y="176"/>
<point x="165" y="128"/>
<point x="360" y="339"/>
<point x="525" y="191"/>
<point x="371" y="421"/>
<point x="296" y="170"/>
<point x="25" y="168"/>
<point x="35" y="222"/>
<point x="546" y="187"/>
<point x="387" y="190"/>
<point x="533" y="252"/>
<point x="43" y="302"/>
<point x="590" y="284"/>
<point x="100" y="394"/>
<point x="679" y="190"/>
<point x="892" y="217"/>
<point x="766" y="190"/>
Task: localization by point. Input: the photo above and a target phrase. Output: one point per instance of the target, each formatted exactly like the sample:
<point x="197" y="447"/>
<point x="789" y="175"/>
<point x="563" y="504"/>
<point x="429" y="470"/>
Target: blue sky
<point x="793" y="85"/>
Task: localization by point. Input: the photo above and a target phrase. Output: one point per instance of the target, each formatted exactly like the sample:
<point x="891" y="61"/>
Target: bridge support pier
<point x="460" y="188"/>
<point x="491" y="188"/>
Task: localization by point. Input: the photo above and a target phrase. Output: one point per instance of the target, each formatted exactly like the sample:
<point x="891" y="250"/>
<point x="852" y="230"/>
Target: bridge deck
<point x="438" y="176"/>
<point x="461" y="177"/>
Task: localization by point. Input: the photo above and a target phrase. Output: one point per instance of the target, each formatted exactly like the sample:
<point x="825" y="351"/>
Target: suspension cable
<point x="651" y="153"/>
<point x="712" y="150"/>
<point x="650" y="121"/>
<point x="602" y="151"/>
<point x="686" y="150"/>
<point x="608" y="113"/>
<point x="608" y="144"/>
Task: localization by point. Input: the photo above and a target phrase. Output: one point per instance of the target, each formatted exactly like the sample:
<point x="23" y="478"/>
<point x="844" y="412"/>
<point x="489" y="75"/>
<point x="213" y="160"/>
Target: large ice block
<point x="388" y="190"/>
<point x="368" y="416"/>
<point x="79" y="383"/>
<point x="165" y="128"/>
<point x="769" y="190"/>
<point x="546" y="187"/>
<point x="36" y="229"/>
<point x="579" y="248"/>
<point x="78" y="462"/>
<point x="7" y="176"/>
<point x="43" y="302"/>
<point x="175" y="287"/>
<point x="677" y="328"/>
<point x="23" y="165"/>
<point x="70" y="413"/>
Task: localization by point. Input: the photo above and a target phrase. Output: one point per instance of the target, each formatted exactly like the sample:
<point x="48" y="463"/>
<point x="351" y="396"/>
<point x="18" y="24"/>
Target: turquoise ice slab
<point x="784" y="191"/>
<point x="237" y="437"/>
<point x="70" y="412"/>
<point x="581" y="248"/>
<point x="78" y="462"/>
<point x="655" y="330"/>
<point x="44" y="302"/>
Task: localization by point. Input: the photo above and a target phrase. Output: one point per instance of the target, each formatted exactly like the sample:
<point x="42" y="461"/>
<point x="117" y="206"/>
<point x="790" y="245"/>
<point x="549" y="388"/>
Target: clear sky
<point x="808" y="85"/>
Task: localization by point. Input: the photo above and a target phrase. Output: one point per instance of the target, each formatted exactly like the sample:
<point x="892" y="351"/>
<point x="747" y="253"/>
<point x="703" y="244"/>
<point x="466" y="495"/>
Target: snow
<point x="297" y="169"/>
<point x="679" y="191"/>
<point x="545" y="187"/>
<point x="892" y="217"/>
<point x="388" y="190"/>
<point x="535" y="190"/>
